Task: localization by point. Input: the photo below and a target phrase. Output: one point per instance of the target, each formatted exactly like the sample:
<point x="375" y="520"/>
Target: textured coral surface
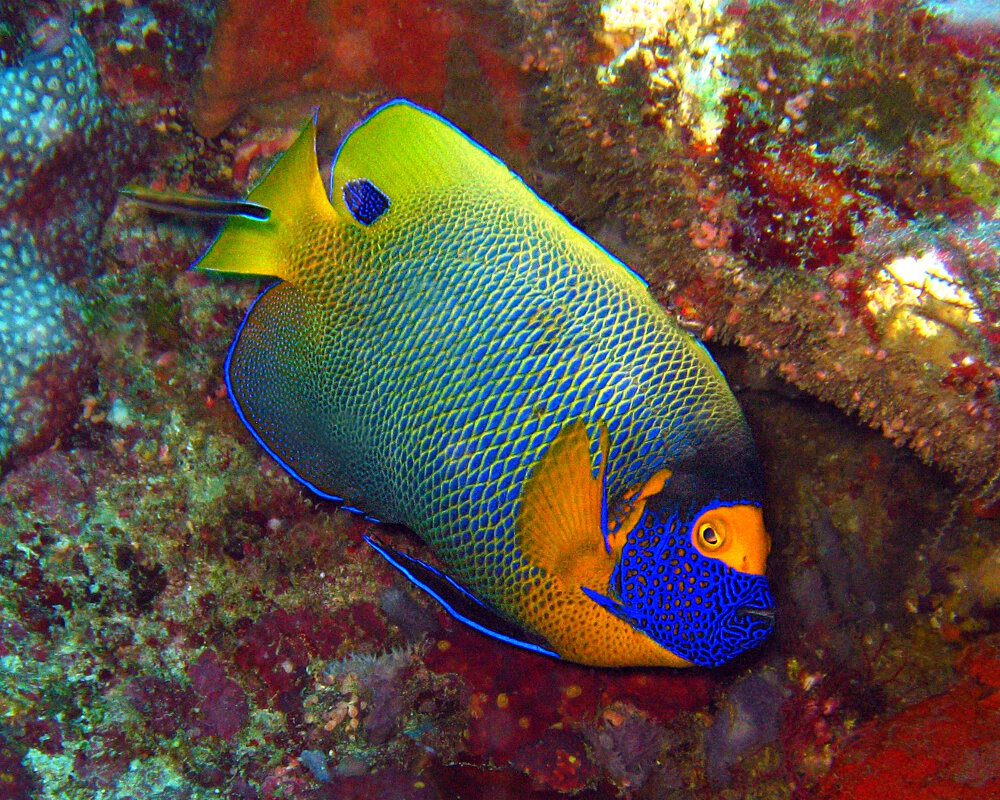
<point x="179" y="619"/>
<point x="263" y="55"/>
<point x="838" y="134"/>
<point x="63" y="152"/>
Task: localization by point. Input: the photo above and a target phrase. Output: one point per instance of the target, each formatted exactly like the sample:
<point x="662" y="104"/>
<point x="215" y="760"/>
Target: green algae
<point x="153" y="778"/>
<point x="884" y="81"/>
<point x="974" y="161"/>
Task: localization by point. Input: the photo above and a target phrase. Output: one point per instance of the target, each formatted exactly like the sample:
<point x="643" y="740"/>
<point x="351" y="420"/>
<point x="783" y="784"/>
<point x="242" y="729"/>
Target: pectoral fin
<point x="562" y="535"/>
<point x="561" y="526"/>
<point x="609" y="604"/>
<point x="631" y="508"/>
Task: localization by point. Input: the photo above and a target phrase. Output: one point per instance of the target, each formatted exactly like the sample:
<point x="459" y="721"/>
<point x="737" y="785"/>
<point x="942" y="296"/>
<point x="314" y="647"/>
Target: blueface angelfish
<point x="443" y="350"/>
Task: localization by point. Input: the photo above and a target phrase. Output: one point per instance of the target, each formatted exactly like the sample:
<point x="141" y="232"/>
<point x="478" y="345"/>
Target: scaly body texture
<point x="437" y="386"/>
<point x="446" y="352"/>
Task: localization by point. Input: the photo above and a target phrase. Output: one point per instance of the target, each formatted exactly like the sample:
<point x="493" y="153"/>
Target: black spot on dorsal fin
<point x="365" y="200"/>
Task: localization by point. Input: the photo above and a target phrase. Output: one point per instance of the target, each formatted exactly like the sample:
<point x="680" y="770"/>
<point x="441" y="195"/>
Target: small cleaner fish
<point x="444" y="351"/>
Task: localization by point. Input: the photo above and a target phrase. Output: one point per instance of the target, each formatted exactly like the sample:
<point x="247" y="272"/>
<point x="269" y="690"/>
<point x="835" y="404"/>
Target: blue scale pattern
<point x="423" y="379"/>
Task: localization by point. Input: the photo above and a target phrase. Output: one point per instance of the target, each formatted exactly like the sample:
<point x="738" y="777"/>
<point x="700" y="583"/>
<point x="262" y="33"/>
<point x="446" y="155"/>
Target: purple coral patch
<point x="223" y="710"/>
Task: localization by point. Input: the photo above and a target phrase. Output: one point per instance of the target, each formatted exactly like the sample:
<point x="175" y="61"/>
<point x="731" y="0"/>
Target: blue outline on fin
<point x="246" y="423"/>
<point x="196" y="264"/>
<point x="611" y="606"/>
<point x="399" y="101"/>
<point x="383" y="551"/>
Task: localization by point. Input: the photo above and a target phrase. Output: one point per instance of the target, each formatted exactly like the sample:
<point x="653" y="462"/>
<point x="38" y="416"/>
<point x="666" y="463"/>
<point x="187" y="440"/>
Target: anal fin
<point x="458" y="601"/>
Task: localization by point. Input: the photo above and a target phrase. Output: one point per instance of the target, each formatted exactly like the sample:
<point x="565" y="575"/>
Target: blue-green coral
<point x="64" y="148"/>
<point x="33" y="305"/>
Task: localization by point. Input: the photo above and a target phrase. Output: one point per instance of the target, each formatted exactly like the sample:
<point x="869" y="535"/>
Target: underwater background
<point x="812" y="188"/>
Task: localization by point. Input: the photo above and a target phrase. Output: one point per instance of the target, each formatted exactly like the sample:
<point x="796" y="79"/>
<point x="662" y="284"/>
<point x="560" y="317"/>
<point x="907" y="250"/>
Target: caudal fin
<point x="259" y="233"/>
<point x="290" y="190"/>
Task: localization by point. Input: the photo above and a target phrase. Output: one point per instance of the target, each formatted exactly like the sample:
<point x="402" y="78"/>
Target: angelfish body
<point x="443" y="350"/>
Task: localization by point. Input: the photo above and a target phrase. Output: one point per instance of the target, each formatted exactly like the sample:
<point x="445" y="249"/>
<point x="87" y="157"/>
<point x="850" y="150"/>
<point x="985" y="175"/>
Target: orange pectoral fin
<point x="559" y="527"/>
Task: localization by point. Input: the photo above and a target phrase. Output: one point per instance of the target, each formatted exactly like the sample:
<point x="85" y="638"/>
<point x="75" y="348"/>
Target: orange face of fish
<point x="734" y="535"/>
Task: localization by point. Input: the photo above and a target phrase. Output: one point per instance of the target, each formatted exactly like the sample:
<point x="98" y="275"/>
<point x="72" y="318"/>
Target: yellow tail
<point x="291" y="190"/>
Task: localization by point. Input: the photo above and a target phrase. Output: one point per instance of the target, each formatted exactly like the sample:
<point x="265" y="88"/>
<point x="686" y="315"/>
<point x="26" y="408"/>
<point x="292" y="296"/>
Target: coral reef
<point x="178" y="618"/>
<point x="795" y="220"/>
<point x="14" y="24"/>
<point x="944" y="746"/>
<point x="749" y="719"/>
<point x="64" y="150"/>
<point x="682" y="47"/>
<point x="44" y="359"/>
<point x="800" y="210"/>
<point x="974" y="160"/>
<point x="279" y="60"/>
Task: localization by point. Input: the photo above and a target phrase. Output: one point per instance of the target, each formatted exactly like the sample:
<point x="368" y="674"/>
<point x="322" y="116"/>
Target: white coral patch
<point x="920" y="294"/>
<point x="921" y="280"/>
<point x="683" y="45"/>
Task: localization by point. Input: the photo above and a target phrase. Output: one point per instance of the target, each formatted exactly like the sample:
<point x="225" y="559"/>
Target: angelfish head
<point x="694" y="582"/>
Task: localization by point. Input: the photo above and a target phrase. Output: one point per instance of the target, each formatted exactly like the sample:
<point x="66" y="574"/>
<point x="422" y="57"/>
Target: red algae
<point x="266" y="55"/>
<point x="557" y="760"/>
<point x="535" y="714"/>
<point x="275" y="650"/>
<point x="802" y="209"/>
<point x="16" y="781"/>
<point x="223" y="708"/>
<point x="944" y="746"/>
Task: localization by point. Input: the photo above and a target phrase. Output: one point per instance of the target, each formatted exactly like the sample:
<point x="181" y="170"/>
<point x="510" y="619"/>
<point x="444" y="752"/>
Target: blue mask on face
<point x="697" y="607"/>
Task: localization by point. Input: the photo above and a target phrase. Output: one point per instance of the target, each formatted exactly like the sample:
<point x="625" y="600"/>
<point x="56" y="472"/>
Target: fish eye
<point x="709" y="536"/>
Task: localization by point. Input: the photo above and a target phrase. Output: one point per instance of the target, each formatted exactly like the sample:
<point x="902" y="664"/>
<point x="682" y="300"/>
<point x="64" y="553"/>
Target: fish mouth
<point x="756" y="613"/>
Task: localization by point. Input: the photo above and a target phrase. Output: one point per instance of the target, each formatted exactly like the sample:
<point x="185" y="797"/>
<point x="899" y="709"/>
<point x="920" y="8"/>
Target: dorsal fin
<point x="405" y="151"/>
<point x="169" y="201"/>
